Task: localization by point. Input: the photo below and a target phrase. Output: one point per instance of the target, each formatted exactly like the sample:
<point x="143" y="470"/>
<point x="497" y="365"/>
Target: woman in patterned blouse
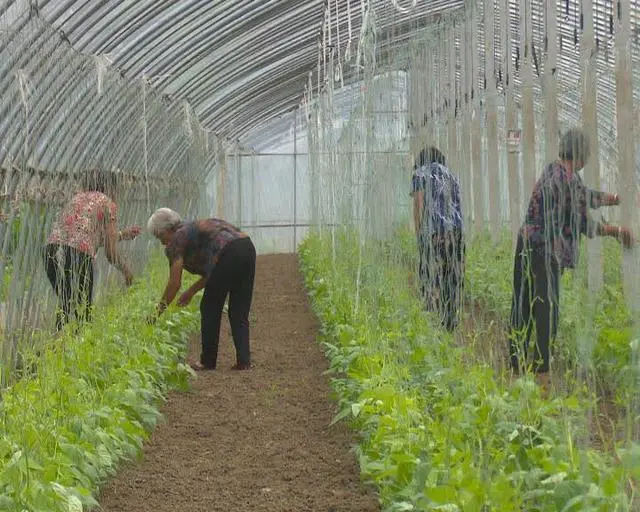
<point x="225" y="259"/>
<point x="557" y="215"/>
<point x="86" y="223"/>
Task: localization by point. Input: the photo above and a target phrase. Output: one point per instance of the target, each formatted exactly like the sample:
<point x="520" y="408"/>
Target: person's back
<point x="86" y="223"/>
<point x="200" y="243"/>
<point x="438" y="220"/>
<point x="441" y="209"/>
<point x="82" y="222"/>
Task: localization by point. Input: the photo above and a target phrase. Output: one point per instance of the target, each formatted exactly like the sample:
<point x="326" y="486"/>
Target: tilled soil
<point x="256" y="440"/>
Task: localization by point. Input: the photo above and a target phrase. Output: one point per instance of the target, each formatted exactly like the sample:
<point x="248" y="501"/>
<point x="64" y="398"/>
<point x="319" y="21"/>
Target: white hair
<point x="163" y="219"/>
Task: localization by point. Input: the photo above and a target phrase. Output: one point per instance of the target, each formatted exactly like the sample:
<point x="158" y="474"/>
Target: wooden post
<point x="479" y="196"/>
<point x="452" y="153"/>
<point x="511" y="122"/>
<point x="627" y="134"/>
<point x="465" y="118"/>
<point x="550" y="85"/>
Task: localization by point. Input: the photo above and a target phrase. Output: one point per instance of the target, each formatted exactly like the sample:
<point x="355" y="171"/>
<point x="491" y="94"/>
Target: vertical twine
<point x="530" y="169"/>
<point x="479" y="196"/>
<point x="493" y="156"/>
<point x="590" y="124"/>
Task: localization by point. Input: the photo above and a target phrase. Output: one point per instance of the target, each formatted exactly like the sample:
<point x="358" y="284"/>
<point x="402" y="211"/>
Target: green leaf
<point x="341" y="415"/>
<point x="441" y="494"/>
<point x="566" y="492"/>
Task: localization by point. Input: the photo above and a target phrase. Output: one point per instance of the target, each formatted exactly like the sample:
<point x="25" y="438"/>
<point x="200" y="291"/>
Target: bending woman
<point x="225" y="259"/>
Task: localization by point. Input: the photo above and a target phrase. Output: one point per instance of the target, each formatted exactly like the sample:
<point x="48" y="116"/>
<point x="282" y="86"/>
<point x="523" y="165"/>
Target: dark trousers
<point x="233" y="275"/>
<point x="536" y="299"/>
<point x="441" y="274"/>
<point x="70" y="273"/>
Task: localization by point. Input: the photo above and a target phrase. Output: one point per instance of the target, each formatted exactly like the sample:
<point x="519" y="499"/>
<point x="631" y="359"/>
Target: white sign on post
<point x="513" y="141"/>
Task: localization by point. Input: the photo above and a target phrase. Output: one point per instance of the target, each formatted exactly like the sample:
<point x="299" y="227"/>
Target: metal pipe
<point x="295" y="180"/>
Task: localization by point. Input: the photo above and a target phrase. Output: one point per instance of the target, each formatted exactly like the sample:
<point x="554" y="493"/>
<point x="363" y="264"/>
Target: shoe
<point x="241" y="366"/>
<point x="199" y="367"/>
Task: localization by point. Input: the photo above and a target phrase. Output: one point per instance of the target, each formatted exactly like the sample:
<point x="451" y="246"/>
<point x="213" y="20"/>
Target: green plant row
<point x="599" y="326"/>
<point x="438" y="431"/>
<point x="91" y="401"/>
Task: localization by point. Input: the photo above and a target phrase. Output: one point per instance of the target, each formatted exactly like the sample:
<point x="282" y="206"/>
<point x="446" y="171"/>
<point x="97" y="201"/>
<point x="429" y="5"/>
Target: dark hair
<point x="574" y="146"/>
<point x="97" y="180"/>
<point x="430" y="155"/>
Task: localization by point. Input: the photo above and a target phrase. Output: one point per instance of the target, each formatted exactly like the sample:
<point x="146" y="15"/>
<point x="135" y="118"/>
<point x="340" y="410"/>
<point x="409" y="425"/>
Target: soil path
<point x="257" y="440"/>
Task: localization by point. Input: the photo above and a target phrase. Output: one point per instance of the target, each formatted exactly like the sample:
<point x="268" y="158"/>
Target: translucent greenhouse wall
<point x="63" y="114"/>
<point x="273" y="194"/>
<point x="266" y="192"/>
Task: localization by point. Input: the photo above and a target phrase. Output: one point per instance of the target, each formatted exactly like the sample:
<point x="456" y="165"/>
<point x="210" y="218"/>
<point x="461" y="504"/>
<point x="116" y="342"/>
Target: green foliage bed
<point x="439" y="432"/>
<point x="92" y="401"/>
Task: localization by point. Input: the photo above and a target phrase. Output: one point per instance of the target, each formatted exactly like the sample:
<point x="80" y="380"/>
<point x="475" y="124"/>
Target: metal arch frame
<point x="165" y="65"/>
<point x="234" y="93"/>
<point x="216" y="69"/>
<point x="64" y="104"/>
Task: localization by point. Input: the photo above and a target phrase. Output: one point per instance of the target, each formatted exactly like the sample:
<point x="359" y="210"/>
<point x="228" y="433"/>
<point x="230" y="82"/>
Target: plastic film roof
<point x="239" y="63"/>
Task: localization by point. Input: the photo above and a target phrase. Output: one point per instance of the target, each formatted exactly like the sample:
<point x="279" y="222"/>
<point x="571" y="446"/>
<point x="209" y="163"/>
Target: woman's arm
<point x="197" y="286"/>
<point x="111" y="250"/>
<point x="597" y="199"/>
<point x="186" y="297"/>
<point x="418" y="202"/>
<point x="623" y="235"/>
<point x="129" y="233"/>
<point x="173" y="285"/>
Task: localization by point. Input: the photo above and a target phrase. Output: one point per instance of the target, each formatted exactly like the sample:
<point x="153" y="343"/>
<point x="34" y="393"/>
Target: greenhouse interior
<point x="414" y="222"/>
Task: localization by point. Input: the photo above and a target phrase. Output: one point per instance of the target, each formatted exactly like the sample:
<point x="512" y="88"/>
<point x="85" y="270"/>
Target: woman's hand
<point x="185" y="298"/>
<point x="626" y="237"/>
<point x="128" y="278"/>
<point x="130" y="233"/>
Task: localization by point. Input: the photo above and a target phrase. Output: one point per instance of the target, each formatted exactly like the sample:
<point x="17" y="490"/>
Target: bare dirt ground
<point x="255" y="440"/>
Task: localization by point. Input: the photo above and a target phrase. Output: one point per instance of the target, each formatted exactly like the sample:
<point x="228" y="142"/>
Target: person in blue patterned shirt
<point x="547" y="243"/>
<point x="225" y="258"/>
<point x="438" y="222"/>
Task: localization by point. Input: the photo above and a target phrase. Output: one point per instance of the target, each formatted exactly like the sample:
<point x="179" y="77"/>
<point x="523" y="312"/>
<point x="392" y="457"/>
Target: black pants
<point x="441" y="274"/>
<point x="233" y="275"/>
<point x="536" y="293"/>
<point x="71" y="275"/>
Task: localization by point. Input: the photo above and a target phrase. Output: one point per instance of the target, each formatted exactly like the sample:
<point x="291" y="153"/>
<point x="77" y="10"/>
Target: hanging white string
<point x="347" y="51"/>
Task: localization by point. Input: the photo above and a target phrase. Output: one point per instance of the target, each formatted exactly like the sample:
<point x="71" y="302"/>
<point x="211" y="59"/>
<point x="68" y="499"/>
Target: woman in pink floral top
<point x="86" y="223"/>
